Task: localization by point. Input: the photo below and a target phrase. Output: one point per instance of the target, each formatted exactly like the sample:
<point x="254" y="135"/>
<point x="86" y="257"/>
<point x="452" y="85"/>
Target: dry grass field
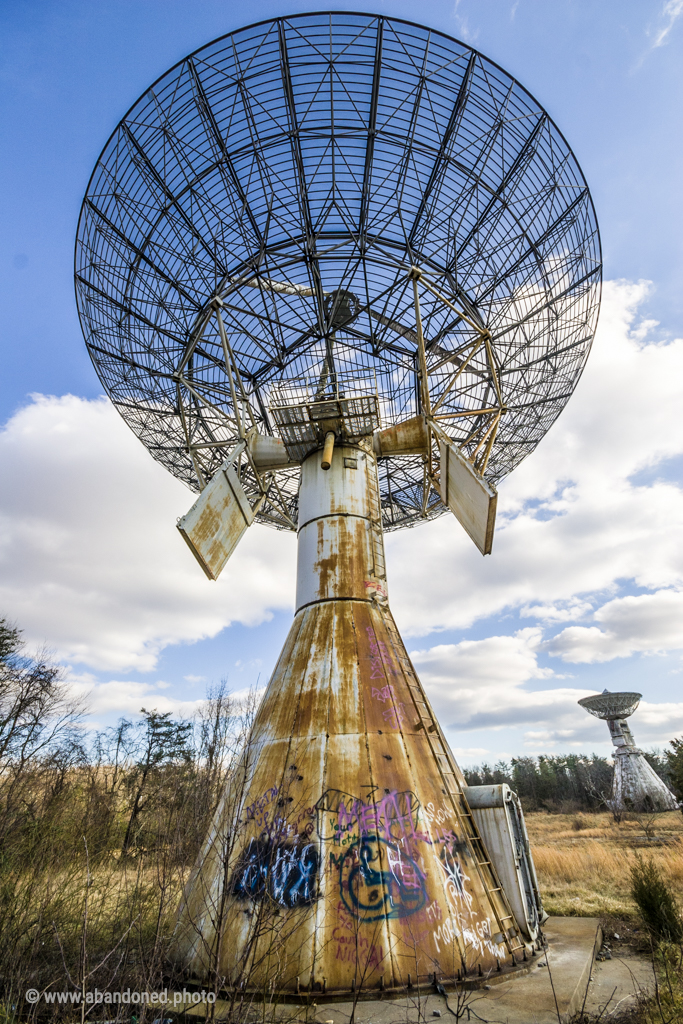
<point x="583" y="860"/>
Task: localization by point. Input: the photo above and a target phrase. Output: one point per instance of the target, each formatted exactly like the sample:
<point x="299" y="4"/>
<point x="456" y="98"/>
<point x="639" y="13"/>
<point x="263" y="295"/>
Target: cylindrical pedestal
<point x="341" y="548"/>
<point x="636" y="785"/>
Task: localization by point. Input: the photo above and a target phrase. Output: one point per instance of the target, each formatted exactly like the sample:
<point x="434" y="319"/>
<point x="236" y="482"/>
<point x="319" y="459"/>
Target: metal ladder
<point x="453" y="781"/>
<point x="379" y="561"/>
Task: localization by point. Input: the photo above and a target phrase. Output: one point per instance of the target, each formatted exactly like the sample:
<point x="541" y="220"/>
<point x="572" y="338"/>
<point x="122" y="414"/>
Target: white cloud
<point x="559" y="612"/>
<point x="653" y="719"/>
<point x="479" y="684"/>
<point x="126" y="697"/>
<point x="90" y="559"/>
<point x="462" y="23"/>
<point x="649" y="622"/>
<point x="573" y="526"/>
<point x="490" y="685"/>
<point x="470" y="753"/>
<point x="671" y="12"/>
<point x="109" y="700"/>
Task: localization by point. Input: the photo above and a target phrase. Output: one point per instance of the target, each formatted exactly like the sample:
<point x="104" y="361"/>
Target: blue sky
<point x="585" y="585"/>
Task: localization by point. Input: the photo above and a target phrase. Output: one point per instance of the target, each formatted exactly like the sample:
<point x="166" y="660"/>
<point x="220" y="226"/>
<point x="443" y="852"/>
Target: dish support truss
<point x="298" y="407"/>
<point x="257" y="217"/>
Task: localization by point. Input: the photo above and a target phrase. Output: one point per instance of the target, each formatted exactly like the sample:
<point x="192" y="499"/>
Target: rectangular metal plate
<point x="470" y="497"/>
<point x="361" y="415"/>
<point x="324" y="410"/>
<point x="215" y="523"/>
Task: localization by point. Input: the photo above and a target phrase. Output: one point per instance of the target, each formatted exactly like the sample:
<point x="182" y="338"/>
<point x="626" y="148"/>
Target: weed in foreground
<point x="656" y="901"/>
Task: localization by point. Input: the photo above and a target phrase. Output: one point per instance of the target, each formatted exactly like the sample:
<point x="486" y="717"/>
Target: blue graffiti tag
<point x="370" y="893"/>
<point x="288" y="874"/>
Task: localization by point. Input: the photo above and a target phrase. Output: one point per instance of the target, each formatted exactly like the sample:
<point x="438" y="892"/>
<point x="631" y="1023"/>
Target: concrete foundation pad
<point x="558" y="984"/>
<point x="618" y="982"/>
<point x="553" y="988"/>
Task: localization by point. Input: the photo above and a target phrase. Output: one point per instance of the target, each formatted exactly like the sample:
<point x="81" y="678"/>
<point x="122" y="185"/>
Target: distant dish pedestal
<point x="636" y="786"/>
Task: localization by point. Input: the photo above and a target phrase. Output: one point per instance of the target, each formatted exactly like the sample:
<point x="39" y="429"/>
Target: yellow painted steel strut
<point x="327" y="450"/>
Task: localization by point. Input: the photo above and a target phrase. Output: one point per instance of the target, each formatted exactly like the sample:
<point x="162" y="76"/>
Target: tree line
<point x="568" y="783"/>
<point x="98" y="832"/>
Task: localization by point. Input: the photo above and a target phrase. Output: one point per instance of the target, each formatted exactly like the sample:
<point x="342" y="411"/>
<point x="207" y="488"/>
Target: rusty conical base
<point x="344" y="855"/>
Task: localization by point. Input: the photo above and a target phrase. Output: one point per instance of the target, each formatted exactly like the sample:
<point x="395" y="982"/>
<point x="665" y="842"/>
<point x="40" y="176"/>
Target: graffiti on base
<point x="370" y="893"/>
<point x="463" y="920"/>
<point x="395" y="713"/>
<point x="351" y="946"/>
<point x="378" y="861"/>
<point x="380" y="659"/>
<point x="273" y="825"/>
<point x="257" y="811"/>
<point x="287" y="873"/>
<point x="393" y="816"/>
<point x="455" y="875"/>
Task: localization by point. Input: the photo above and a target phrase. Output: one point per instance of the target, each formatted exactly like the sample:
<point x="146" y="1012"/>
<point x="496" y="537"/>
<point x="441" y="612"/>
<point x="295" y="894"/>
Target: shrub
<point x="674" y="758"/>
<point x="656" y="901"/>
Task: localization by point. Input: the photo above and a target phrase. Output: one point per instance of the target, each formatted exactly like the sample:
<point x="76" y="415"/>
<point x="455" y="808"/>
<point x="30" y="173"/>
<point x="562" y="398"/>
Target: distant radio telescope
<point x="636" y="785"/>
<point x="340" y="273"/>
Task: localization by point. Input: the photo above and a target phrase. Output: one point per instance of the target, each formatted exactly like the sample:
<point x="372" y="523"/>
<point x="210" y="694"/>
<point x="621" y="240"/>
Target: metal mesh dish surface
<point x="297" y="169"/>
<point x="611" y="705"/>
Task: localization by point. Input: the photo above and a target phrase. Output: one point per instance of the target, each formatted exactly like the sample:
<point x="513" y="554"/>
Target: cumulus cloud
<point x="652" y="719"/>
<point x="127" y="697"/>
<point x="573" y="524"/>
<point x="561" y="611"/>
<point x="649" y="622"/>
<point x="575" y="530"/>
<point x="492" y="685"/>
<point x="115" y="698"/>
<point x="90" y="559"/>
<point x="481" y="684"/>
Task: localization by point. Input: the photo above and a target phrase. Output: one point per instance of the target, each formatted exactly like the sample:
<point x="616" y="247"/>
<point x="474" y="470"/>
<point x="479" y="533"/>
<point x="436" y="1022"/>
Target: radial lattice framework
<point x="255" y="218"/>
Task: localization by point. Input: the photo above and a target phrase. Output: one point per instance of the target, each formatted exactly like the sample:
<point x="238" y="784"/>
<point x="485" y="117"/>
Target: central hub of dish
<point x="306" y="409"/>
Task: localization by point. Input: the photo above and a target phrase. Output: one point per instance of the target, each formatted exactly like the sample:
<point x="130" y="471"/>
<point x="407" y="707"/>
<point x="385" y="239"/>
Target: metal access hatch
<point x="500" y="820"/>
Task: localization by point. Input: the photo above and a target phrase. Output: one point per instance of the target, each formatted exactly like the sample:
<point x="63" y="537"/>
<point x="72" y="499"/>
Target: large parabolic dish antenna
<point x="259" y="210"/>
<point x="611" y="706"/>
<point x="340" y="273"/>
